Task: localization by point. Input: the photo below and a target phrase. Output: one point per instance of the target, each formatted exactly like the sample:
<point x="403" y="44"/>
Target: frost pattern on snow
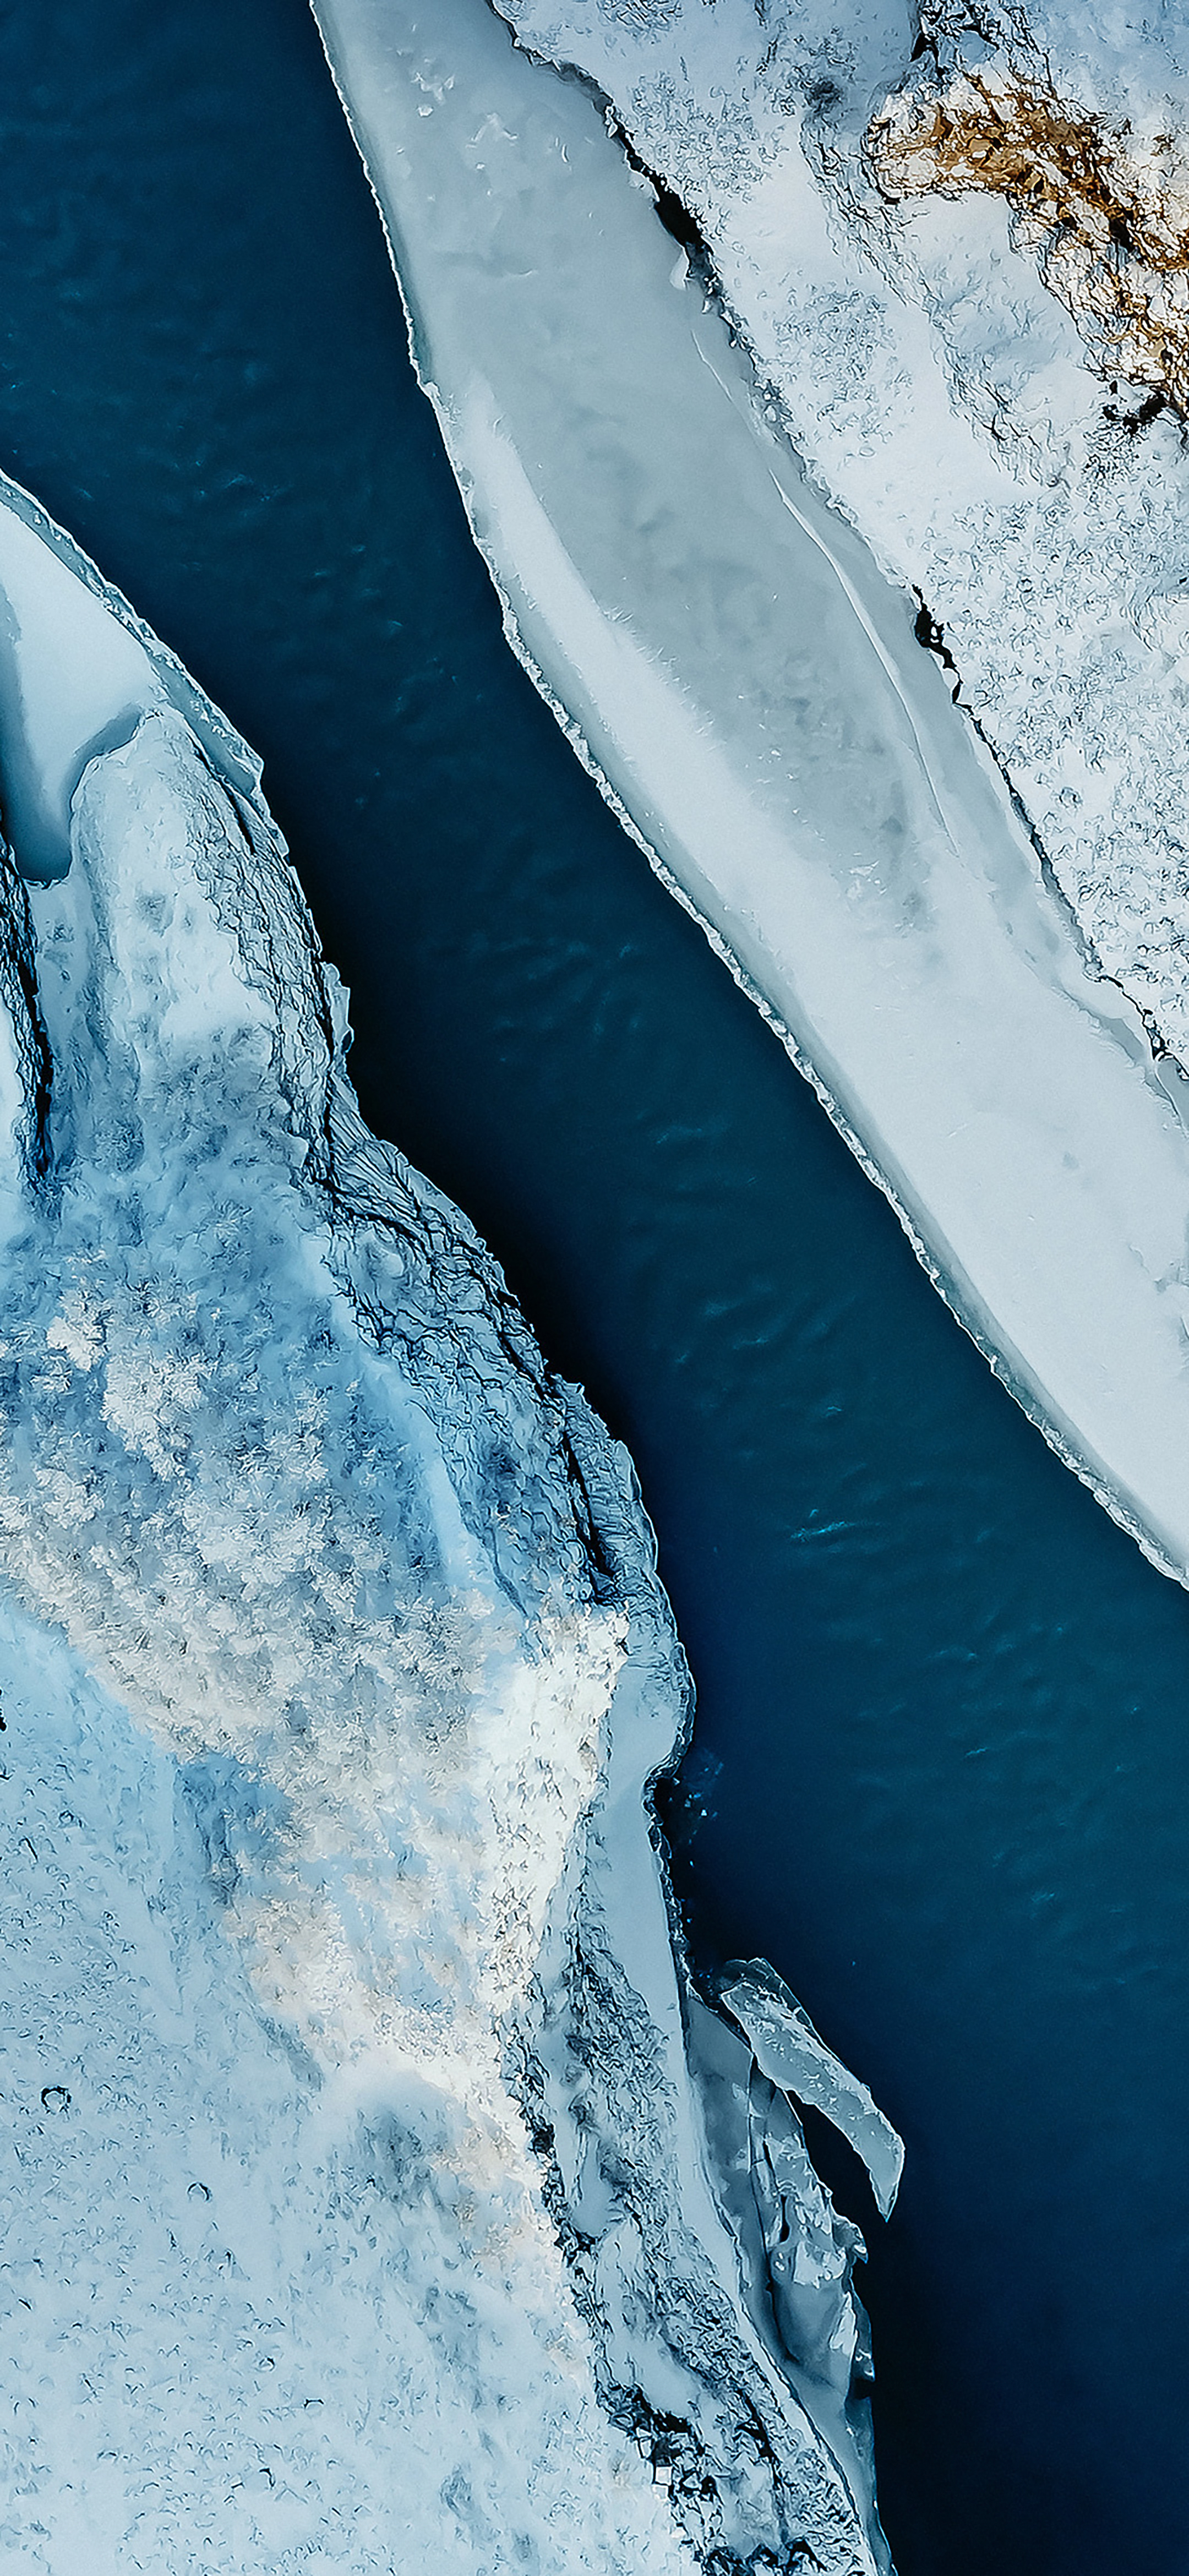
<point x="279" y="1456"/>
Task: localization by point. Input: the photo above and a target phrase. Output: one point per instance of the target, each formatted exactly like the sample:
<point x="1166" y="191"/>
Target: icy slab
<point x="788" y="2051"/>
<point x="358" y="2208"/>
<point x="77" y="671"/>
<point x="992" y="456"/>
<point x="971" y="420"/>
<point x="750" y="694"/>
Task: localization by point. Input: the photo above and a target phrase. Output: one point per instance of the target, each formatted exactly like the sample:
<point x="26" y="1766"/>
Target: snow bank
<point x="359" y="2209"/>
<point x="751" y="693"/>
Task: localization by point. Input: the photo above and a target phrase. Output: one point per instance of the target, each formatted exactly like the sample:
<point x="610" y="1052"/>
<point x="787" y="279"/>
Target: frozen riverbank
<point x="753" y="696"/>
<point x="418" y="2142"/>
<point x="977" y="344"/>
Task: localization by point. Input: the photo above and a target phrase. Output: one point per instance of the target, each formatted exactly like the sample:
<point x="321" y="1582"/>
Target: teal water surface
<point x="940" y="1766"/>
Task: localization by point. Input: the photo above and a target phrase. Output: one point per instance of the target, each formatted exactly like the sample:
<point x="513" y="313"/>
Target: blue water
<point x="939" y="1774"/>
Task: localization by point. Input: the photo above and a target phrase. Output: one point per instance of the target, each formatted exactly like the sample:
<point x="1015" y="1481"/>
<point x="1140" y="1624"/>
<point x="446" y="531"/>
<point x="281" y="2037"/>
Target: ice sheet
<point x="357" y="2208"/>
<point x="749" y="692"/>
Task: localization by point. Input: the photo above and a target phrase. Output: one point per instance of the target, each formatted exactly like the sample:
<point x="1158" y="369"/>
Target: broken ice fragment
<point x="788" y="2051"/>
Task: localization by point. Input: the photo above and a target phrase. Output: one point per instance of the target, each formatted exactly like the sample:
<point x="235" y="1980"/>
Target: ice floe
<point x="751" y="691"/>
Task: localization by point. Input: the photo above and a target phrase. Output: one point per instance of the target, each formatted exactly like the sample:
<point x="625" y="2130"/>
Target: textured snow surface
<point x="359" y="2210"/>
<point x="748" y="689"/>
<point x="256" y="2314"/>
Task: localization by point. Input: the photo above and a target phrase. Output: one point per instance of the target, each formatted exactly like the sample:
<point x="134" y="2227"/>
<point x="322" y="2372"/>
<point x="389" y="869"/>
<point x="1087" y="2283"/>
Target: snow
<point x="359" y="2206"/>
<point x="747" y="687"/>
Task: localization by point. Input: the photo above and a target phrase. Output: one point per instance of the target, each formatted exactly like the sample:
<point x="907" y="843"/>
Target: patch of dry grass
<point x="1109" y="221"/>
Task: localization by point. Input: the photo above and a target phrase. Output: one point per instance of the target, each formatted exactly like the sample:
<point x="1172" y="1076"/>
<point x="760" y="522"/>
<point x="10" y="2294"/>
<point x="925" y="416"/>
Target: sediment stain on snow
<point x="1107" y="218"/>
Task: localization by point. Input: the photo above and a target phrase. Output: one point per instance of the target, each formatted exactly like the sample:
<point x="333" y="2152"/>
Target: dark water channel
<point x="943" y="1738"/>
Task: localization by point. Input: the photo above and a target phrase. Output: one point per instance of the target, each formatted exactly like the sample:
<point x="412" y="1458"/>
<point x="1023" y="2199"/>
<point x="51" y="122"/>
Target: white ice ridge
<point x="748" y="690"/>
<point x="360" y="2209"/>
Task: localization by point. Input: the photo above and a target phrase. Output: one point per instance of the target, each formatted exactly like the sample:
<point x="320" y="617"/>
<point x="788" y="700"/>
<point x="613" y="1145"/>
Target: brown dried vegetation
<point x="1110" y="222"/>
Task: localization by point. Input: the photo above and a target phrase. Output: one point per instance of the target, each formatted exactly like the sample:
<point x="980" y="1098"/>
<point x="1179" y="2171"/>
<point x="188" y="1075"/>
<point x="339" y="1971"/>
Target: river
<point x="939" y="1772"/>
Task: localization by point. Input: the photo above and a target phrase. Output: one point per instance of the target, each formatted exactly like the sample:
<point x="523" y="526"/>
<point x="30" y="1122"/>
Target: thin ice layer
<point x="77" y="671"/>
<point x="752" y="696"/>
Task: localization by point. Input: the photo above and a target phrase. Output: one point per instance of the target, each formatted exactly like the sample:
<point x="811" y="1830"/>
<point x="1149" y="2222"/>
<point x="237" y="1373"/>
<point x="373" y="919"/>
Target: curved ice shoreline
<point x="748" y="693"/>
<point x="281" y="1460"/>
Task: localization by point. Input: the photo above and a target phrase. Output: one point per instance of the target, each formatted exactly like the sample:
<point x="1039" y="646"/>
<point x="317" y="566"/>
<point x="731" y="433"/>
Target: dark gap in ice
<point x="674" y="214"/>
<point x="836" y="2163"/>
